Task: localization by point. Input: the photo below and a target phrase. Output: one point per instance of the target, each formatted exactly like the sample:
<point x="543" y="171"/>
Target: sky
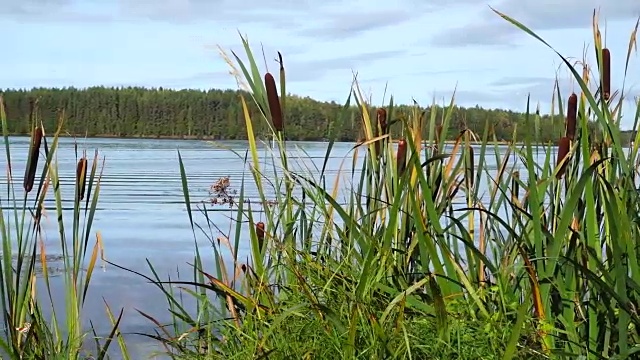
<point x="411" y="49"/>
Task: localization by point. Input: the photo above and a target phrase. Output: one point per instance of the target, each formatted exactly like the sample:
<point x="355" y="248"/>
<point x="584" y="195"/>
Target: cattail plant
<point x="27" y="332"/>
<point x="260" y="235"/>
<point x="469" y="166"/>
<point x="563" y="151"/>
<point x="32" y="161"/>
<point x="81" y="176"/>
<point x="515" y="186"/>
<point x="572" y="111"/>
<point x="438" y="136"/>
<point x="380" y="129"/>
<point x="553" y="244"/>
<point x="274" y="101"/>
<point x="401" y="156"/>
<point x="382" y="120"/>
<point x="283" y="86"/>
<point x="606" y="74"/>
<point x="32" y="109"/>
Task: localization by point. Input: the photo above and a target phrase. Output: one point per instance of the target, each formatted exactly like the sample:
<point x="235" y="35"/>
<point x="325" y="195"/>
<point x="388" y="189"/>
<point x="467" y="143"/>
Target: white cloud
<point x="491" y="29"/>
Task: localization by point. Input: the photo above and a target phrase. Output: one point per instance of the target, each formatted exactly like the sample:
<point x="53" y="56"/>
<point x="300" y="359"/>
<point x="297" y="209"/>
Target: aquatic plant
<point x="417" y="259"/>
<point x="543" y="264"/>
<point x="28" y="333"/>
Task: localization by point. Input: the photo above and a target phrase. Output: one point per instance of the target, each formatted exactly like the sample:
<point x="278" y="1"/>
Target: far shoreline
<point x="213" y="138"/>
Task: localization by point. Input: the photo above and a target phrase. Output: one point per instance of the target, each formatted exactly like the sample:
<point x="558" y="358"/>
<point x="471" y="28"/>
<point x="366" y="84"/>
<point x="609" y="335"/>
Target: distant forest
<point x="217" y="114"/>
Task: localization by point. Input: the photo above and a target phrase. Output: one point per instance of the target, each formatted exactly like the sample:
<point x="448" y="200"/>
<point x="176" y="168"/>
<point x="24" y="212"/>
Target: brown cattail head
<point x="401" y="156"/>
<point x="470" y="164"/>
<point x="32" y="161"/>
<point x="382" y="120"/>
<point x="32" y="109"/>
<point x="438" y="133"/>
<point x="81" y="177"/>
<point x="563" y="150"/>
<point x="515" y="185"/>
<point x="380" y="129"/>
<point x="572" y="113"/>
<point x="606" y="73"/>
<point x="280" y="61"/>
<point x="260" y="234"/>
<point x="274" y="101"/>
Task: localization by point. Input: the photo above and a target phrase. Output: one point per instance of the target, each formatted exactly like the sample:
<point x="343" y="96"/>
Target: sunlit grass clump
<point x="431" y="253"/>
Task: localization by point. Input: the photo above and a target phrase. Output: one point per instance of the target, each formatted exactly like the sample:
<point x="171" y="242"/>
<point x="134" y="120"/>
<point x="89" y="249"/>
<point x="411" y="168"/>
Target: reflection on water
<point x="142" y="213"/>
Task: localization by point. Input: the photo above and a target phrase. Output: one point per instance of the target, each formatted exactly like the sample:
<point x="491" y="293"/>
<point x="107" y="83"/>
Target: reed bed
<point x="542" y="262"/>
<point x="34" y="326"/>
<point x="401" y="270"/>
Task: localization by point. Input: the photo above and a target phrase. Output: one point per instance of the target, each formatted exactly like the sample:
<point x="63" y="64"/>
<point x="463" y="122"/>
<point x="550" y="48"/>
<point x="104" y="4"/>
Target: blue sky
<point x="416" y="49"/>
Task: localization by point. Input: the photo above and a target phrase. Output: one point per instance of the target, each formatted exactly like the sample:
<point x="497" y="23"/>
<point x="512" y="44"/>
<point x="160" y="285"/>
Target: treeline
<point x="217" y="114"/>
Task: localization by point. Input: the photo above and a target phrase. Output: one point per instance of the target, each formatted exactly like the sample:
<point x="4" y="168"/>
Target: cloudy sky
<point x="414" y="49"/>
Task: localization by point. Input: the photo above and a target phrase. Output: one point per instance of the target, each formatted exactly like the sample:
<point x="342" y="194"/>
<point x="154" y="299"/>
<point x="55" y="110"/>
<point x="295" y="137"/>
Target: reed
<point x="28" y="332"/>
<point x="81" y="177"/>
<point x="572" y="113"/>
<point x="416" y="258"/>
<point x="563" y="151"/>
<point x="606" y="73"/>
<point x="32" y="161"/>
<point x="274" y="102"/>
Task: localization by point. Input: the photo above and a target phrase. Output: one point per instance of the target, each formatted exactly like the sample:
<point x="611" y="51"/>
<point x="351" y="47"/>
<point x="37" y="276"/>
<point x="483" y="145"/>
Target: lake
<point x="142" y="214"/>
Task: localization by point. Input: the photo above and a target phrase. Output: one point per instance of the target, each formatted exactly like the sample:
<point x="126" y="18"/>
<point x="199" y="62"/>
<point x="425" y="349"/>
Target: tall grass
<point x="416" y="259"/>
<point x="421" y="261"/>
<point x="28" y="332"/>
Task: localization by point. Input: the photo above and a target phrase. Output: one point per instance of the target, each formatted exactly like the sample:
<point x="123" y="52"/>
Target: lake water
<point x="142" y="214"/>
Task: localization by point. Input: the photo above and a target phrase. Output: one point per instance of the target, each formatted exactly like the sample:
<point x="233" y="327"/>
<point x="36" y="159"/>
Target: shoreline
<point x="213" y="138"/>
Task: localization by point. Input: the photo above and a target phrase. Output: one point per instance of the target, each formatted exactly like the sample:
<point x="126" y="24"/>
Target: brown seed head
<point x="280" y="62"/>
<point x="32" y="161"/>
<point x="563" y="150"/>
<point x="81" y="177"/>
<point x="606" y="73"/>
<point x="274" y="102"/>
<point x="401" y="156"/>
<point x="32" y="109"/>
<point x="380" y="129"/>
<point x="470" y="162"/>
<point x="382" y="120"/>
<point x="438" y="133"/>
<point x="260" y="234"/>
<point x="515" y="186"/>
<point x="572" y="112"/>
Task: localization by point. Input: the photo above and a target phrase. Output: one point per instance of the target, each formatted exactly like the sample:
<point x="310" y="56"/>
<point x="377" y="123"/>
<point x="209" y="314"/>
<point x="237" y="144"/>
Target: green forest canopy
<point x="217" y="114"/>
